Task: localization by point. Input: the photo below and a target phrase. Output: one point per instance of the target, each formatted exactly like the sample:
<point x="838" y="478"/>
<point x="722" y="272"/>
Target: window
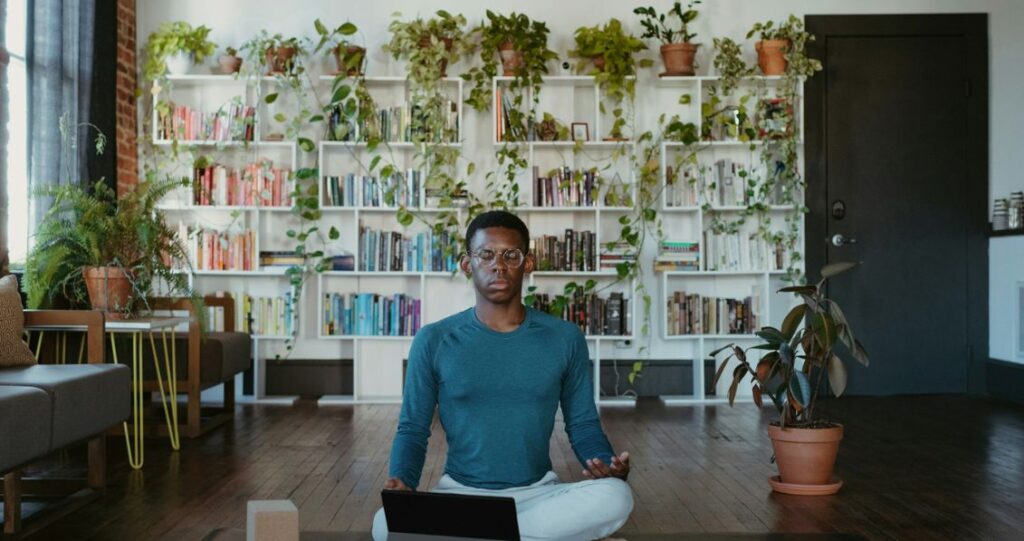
<point x="17" y="131"/>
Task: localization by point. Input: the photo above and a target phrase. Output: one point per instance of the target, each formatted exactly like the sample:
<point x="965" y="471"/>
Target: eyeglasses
<point x="513" y="257"/>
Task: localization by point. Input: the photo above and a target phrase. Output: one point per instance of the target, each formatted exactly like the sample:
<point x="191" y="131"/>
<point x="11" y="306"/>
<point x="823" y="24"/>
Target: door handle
<point x="839" y="240"/>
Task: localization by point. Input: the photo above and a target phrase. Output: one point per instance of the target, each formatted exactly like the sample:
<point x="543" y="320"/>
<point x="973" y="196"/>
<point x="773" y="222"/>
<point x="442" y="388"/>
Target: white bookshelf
<point x="377" y="361"/>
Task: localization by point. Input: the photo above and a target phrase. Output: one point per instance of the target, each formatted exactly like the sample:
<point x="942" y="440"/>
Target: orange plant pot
<point x="109" y="289"/>
<point x="771" y="55"/>
<point x="806" y="456"/>
<point x="511" y="59"/>
<point x="678" y="58"/>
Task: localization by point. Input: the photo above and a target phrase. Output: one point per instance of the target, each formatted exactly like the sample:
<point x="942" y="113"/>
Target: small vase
<point x="678" y="58"/>
<point x="178" y="63"/>
<point x="229" y="64"/>
<point x="511" y="59"/>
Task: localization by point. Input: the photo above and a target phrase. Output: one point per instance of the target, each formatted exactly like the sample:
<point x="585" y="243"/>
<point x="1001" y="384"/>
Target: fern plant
<point x="92" y="227"/>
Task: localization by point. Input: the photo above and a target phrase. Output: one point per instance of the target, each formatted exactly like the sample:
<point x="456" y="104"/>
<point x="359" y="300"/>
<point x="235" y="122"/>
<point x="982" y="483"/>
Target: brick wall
<point x="127" y="149"/>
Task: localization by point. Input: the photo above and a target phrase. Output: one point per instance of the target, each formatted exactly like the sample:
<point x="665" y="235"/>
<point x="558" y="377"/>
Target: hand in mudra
<point x="395" y="484"/>
<point x="597" y="469"/>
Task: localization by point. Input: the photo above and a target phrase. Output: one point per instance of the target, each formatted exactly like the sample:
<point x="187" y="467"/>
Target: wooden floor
<point x="915" y="468"/>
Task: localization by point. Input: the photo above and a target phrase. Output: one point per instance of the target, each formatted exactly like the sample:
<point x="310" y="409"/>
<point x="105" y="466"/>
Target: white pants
<point x="550" y="510"/>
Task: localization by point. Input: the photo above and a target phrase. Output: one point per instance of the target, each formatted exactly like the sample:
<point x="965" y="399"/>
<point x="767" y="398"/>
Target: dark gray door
<point x="896" y="190"/>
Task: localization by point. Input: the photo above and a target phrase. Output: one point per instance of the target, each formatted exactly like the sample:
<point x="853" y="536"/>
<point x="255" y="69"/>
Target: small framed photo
<point x="580" y="131"/>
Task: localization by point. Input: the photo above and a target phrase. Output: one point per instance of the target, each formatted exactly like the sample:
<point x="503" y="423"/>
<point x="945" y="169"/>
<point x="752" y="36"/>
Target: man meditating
<point x="497" y="373"/>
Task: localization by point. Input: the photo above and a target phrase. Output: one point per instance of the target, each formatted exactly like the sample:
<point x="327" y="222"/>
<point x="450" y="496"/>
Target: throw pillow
<point x="13" y="349"/>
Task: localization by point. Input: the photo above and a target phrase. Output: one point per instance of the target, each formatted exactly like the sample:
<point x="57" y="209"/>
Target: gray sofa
<point x="47" y="407"/>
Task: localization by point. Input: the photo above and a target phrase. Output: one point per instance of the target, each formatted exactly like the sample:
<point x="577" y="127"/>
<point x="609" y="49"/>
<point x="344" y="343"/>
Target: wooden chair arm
<point x="93" y="321"/>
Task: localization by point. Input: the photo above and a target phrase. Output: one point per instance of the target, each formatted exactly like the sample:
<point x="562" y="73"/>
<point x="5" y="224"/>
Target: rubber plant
<point x="811" y="347"/>
<point x="611" y="51"/>
<point x="523" y="44"/>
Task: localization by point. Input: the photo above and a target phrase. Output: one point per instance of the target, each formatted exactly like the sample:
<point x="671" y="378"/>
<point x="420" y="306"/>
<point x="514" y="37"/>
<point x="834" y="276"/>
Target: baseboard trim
<point x="1005" y="380"/>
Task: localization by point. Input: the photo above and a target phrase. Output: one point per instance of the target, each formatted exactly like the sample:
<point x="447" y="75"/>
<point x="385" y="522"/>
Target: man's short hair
<point x="498" y="218"/>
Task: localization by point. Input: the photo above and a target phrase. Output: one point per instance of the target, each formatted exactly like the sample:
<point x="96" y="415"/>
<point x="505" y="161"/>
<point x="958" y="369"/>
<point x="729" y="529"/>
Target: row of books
<point x="565" y="188"/>
<point x="697" y="314"/>
<point x="743" y="252"/>
<point x="593" y="314"/>
<point x="221" y="250"/>
<point x="232" y="123"/>
<point x="506" y="129"/>
<point x="620" y="252"/>
<point x="260" y="316"/>
<point x="370" y="314"/>
<point x="398" y="124"/>
<point x="391" y="251"/>
<point x="256" y="184"/>
<point x="576" y="251"/>
<point x="725" y="183"/>
<point x="371" y="191"/>
<point x="677" y="256"/>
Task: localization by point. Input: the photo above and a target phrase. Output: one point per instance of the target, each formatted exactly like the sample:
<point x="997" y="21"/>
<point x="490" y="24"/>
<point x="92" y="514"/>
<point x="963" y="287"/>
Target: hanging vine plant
<point x="611" y="51"/>
<point x="521" y="44"/>
<point x="429" y="46"/>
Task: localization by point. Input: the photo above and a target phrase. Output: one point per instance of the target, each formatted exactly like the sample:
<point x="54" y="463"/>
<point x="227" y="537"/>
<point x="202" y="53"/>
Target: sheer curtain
<point x="60" y="75"/>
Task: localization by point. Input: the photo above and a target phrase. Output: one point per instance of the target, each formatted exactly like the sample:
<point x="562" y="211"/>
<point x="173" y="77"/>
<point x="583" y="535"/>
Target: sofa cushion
<point x="86" y="398"/>
<point x="13" y="349"/>
<point x="222" y="355"/>
<point x="25" y="425"/>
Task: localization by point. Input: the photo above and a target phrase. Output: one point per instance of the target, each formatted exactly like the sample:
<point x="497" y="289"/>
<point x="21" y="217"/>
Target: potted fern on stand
<point x="817" y="333"/>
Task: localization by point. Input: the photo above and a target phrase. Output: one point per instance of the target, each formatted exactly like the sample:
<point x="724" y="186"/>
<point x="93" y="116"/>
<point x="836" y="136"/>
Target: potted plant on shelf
<point x="780" y="44"/>
<point x="95" y="249"/>
<point x="230" y="62"/>
<point x="612" y="51"/>
<point x="279" y="54"/>
<point x="429" y="44"/>
<point x="677" y="50"/>
<point x="816" y="332"/>
<point x="174" y="47"/>
<point x="349" y="57"/>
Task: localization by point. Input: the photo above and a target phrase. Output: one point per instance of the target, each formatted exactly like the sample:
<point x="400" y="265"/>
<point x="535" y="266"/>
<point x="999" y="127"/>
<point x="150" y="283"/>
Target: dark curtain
<point x="4" y="137"/>
<point x="60" y="60"/>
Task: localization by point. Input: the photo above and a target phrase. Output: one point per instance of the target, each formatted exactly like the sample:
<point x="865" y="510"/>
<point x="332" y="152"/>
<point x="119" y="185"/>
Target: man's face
<point x="497" y="282"/>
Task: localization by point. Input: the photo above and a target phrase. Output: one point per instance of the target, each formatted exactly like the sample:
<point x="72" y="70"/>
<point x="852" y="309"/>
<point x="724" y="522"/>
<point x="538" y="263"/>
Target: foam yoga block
<point x="272" y="520"/>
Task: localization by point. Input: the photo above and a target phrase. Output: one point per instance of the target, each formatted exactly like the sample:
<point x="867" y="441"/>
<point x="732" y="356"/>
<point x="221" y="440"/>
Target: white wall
<point x="235" y="21"/>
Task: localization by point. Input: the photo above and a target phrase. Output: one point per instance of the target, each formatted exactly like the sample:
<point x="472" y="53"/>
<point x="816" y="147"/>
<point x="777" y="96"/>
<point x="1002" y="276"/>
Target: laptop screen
<point x="450" y="515"/>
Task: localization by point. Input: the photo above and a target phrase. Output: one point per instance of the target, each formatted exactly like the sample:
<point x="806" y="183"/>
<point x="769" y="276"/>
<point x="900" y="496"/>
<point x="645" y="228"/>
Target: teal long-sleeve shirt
<point x="496" y="394"/>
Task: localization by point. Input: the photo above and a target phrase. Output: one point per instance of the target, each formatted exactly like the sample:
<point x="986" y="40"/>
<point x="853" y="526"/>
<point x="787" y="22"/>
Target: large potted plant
<point x="677" y="49"/>
<point x="812" y="344"/>
<point x="174" y="47"/>
<point x="349" y="57"/>
<point x="779" y="43"/>
<point x="95" y="249"/>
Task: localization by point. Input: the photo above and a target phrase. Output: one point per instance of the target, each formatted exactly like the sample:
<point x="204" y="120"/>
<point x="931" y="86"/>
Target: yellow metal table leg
<point x="170" y="368"/>
<point x="135" y="452"/>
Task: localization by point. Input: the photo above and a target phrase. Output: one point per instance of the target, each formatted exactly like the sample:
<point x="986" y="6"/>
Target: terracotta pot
<point x="511" y="59"/>
<point x="770" y="55"/>
<point x="425" y="42"/>
<point x="109" y="289"/>
<point x="599" y="62"/>
<point x="351" y="51"/>
<point x="229" y="64"/>
<point x="280" y="60"/>
<point x="806" y="456"/>
<point x="678" y="58"/>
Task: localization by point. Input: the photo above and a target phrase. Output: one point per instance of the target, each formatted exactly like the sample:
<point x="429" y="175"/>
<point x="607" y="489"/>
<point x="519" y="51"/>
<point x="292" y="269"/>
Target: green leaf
<point x="334" y="234"/>
<point x="305" y="173"/>
<point x="833" y="269"/>
<point x="347" y="29"/>
<point x="307" y="144"/>
<point x="341" y="93"/>
<point x="771" y="335"/>
<point x="803" y="290"/>
<point x="824" y="330"/>
<point x="800" y="386"/>
<point x="320" y="28"/>
<point x="279" y="117"/>
<point x="374" y="162"/>
<point x="792" y="321"/>
<point x="270" y="98"/>
<point x="685" y="99"/>
<point x="836" y="375"/>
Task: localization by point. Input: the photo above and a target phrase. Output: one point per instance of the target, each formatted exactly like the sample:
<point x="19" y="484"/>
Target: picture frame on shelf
<point x="580" y="131"/>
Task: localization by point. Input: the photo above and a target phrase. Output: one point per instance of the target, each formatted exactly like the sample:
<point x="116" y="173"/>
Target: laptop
<point x="433" y="516"/>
